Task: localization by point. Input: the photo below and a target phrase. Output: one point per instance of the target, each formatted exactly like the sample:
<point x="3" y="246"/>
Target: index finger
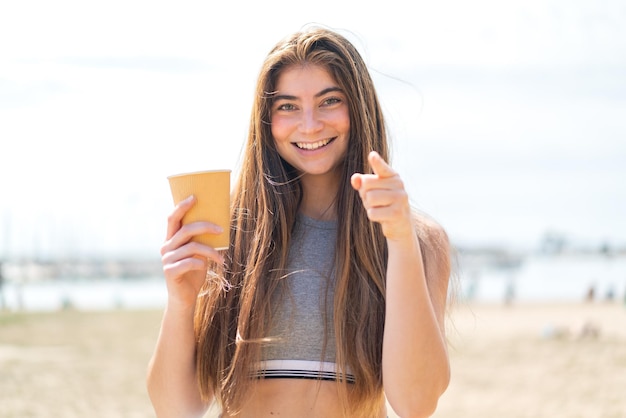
<point x="380" y="167"/>
<point x="175" y="219"/>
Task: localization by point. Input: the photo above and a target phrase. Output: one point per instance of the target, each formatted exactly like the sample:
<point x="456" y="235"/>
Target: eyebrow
<point x="321" y="93"/>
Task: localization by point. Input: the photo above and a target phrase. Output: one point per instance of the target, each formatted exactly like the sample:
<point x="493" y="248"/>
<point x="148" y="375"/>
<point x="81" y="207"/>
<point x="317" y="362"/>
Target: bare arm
<point x="416" y="368"/>
<point x="172" y="384"/>
<point x="171" y="379"/>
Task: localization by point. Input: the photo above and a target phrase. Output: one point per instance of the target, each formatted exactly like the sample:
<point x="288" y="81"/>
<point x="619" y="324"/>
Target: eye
<point x="287" y="107"/>
<point x="331" y="101"/>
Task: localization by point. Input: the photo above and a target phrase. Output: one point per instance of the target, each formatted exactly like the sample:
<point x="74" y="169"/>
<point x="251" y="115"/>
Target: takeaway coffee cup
<point x="212" y="192"/>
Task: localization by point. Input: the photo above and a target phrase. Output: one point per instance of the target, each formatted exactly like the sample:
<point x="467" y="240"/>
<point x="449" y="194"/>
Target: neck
<point x="319" y="197"/>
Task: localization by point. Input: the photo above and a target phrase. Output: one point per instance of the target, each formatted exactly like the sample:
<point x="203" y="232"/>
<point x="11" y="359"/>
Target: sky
<point x="508" y="119"/>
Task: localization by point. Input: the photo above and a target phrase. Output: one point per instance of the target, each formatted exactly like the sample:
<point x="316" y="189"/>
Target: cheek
<point x="343" y="122"/>
<point x="280" y="129"/>
<point x="347" y="126"/>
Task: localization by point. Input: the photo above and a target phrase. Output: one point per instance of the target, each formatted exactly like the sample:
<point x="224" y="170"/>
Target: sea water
<point x="85" y="294"/>
<point x="561" y="278"/>
<point x="565" y="278"/>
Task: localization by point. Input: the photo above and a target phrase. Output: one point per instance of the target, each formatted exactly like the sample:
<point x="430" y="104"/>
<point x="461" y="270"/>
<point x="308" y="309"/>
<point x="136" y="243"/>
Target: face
<point x="310" y="120"/>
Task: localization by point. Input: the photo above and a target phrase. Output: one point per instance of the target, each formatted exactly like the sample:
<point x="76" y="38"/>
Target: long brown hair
<point x="233" y="312"/>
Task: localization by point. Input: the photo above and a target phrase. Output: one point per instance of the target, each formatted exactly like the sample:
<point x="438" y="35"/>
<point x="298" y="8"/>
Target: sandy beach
<point x="536" y="361"/>
<point x="565" y="360"/>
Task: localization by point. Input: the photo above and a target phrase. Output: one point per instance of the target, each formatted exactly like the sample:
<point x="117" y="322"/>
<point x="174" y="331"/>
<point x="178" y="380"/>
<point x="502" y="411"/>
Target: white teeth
<point x="309" y="146"/>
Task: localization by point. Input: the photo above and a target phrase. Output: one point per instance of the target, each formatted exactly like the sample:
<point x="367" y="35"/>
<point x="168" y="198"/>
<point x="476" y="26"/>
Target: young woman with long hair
<point x="331" y="297"/>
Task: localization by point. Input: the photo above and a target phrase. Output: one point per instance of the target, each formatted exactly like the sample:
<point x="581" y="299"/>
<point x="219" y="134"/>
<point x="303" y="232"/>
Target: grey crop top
<point x="296" y="335"/>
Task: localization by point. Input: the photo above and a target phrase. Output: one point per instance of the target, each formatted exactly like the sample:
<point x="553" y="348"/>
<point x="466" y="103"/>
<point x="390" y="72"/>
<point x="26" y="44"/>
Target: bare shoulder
<point x="435" y="246"/>
<point x="436" y="250"/>
<point x="431" y="234"/>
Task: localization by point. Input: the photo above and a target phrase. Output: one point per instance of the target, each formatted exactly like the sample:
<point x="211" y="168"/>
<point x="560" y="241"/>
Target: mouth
<point x="310" y="146"/>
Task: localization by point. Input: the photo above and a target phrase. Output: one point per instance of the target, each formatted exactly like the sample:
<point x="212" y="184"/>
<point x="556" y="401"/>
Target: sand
<point x="516" y="361"/>
<point x="537" y="361"/>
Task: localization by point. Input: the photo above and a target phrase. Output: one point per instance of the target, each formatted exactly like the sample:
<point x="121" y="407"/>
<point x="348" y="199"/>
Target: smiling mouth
<point x="313" y="145"/>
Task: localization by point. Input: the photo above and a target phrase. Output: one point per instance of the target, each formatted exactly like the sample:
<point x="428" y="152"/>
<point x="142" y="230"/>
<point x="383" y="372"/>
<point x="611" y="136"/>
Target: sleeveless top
<point x="301" y="338"/>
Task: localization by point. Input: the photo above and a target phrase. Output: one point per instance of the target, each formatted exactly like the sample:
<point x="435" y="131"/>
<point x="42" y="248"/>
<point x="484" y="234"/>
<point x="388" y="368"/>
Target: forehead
<point x="304" y="78"/>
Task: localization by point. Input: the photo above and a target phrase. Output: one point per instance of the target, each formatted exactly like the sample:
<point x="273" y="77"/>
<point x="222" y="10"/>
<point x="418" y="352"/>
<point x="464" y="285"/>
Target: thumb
<point x="356" y="181"/>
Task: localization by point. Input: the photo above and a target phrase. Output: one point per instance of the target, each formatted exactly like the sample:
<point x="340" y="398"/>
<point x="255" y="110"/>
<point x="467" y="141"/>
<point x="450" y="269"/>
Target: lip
<point x="303" y="145"/>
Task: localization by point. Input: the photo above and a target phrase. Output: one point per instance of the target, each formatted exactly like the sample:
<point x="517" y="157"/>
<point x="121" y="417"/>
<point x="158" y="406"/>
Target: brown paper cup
<point x="212" y="192"/>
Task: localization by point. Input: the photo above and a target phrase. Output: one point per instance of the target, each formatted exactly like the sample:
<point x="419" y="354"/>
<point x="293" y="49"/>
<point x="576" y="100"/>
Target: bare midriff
<point x="295" y="398"/>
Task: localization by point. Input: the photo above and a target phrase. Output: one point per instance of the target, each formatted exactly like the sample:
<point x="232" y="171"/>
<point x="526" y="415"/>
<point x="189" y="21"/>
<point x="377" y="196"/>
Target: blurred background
<point x="508" y="122"/>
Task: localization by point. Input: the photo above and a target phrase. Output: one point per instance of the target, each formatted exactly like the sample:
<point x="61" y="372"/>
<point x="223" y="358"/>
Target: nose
<point x="310" y="121"/>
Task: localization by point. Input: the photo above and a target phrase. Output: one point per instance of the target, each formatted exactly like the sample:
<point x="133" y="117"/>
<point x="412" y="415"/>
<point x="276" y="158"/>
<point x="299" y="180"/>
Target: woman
<point x="331" y="297"/>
